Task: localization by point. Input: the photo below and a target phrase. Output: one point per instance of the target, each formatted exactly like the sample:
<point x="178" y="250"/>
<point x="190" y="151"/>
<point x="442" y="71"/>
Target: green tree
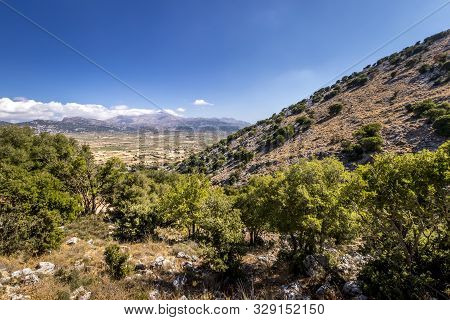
<point x="117" y="262"/>
<point x="182" y="203"/>
<point x="252" y="202"/>
<point x="305" y="205"/>
<point x="220" y="232"/>
<point x="406" y="202"/>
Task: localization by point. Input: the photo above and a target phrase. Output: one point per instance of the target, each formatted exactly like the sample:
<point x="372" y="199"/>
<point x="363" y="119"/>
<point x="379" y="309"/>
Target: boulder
<point x="154" y="295"/>
<point x="181" y="255"/>
<point x="179" y="281"/>
<point x="159" y="261"/>
<point x="31" y="279"/>
<point x="139" y="267"/>
<point x="313" y="265"/>
<point x="72" y="241"/>
<point x="80" y="294"/>
<point x="352" y="289"/>
<point x="45" y="268"/>
<point x="21" y="273"/>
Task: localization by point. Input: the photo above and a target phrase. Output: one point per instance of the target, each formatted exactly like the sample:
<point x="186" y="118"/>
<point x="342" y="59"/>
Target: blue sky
<point x="247" y="58"/>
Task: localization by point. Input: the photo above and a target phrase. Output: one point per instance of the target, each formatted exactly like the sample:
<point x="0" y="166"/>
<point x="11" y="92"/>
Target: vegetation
<point x="335" y="109"/>
<point x="407" y="226"/>
<point x="368" y="140"/>
<point x="116" y="262"/>
<point x="396" y="206"/>
<point x="437" y="113"/>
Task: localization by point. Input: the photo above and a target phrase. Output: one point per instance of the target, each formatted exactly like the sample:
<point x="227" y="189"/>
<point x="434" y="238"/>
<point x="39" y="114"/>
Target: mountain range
<point x="157" y="121"/>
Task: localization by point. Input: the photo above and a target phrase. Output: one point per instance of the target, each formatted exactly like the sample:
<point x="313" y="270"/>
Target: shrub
<point x="117" y="262"/>
<point x="405" y="199"/>
<point x="220" y="232"/>
<point x="243" y="155"/>
<point x="368" y="140"/>
<point x="368" y="130"/>
<point x="358" y="81"/>
<point x="252" y="202"/>
<point x="335" y="109"/>
<point x="425" y="68"/>
<point x="297" y="108"/>
<point x="304" y="204"/>
<point x="304" y="121"/>
<point x="332" y="93"/>
<point x="181" y="204"/>
<point x="438" y="114"/>
<point x="442" y="125"/>
<point x="371" y="144"/>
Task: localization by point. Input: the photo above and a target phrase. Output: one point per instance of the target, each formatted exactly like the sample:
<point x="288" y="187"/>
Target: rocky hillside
<point x="381" y="108"/>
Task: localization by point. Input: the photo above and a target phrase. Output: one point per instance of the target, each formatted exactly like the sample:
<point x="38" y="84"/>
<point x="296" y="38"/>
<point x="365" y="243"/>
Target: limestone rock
<point x="45" y="268"/>
<point x="80" y="294"/>
<point x="72" y="241"/>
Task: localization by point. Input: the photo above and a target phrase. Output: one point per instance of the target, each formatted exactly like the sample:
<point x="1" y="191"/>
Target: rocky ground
<point x="171" y="268"/>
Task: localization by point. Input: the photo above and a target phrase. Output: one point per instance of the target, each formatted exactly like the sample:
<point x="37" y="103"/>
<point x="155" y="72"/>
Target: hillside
<point x="325" y="123"/>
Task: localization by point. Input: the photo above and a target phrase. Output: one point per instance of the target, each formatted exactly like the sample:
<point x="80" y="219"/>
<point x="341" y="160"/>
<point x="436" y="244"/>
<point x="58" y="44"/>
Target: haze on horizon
<point x="202" y="58"/>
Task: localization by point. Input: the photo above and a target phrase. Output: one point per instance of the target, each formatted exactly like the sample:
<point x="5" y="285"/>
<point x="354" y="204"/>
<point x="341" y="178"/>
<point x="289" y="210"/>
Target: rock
<point x="263" y="259"/>
<point x="183" y="298"/>
<point x="361" y="297"/>
<point x="187" y="265"/>
<point x="181" y="254"/>
<point x="291" y="291"/>
<point x="72" y="241"/>
<point x="18" y="296"/>
<point x="21" y="273"/>
<point x="45" y="268"/>
<point x="139" y="267"/>
<point x="90" y="242"/>
<point x="352" y="289"/>
<point x="4" y="277"/>
<point x="154" y="295"/>
<point x="167" y="266"/>
<point x="313" y="266"/>
<point x="79" y="265"/>
<point x="80" y="294"/>
<point x="159" y="261"/>
<point x="179" y="281"/>
<point x="323" y="289"/>
<point x="31" y="279"/>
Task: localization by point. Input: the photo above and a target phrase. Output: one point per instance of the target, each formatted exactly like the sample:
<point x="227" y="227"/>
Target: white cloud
<point x="180" y="110"/>
<point x="172" y="112"/>
<point x="19" y="110"/>
<point x="201" y="102"/>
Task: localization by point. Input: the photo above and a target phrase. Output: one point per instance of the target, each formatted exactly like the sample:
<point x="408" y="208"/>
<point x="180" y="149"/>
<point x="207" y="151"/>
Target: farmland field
<point x="151" y="149"/>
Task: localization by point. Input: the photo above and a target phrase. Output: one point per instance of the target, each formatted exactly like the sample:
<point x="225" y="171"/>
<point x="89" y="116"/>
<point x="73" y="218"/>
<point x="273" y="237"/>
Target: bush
<point x="304" y="204"/>
<point x="335" y="109"/>
<point x="116" y="261"/>
<point x="33" y="206"/>
<point x="438" y="114"/>
<point x="304" y="121"/>
<point x="297" y="108"/>
<point x="371" y="144"/>
<point x="425" y="68"/>
<point x="358" y="81"/>
<point x="405" y="200"/>
<point x="442" y="125"/>
<point x="252" y="202"/>
<point x="220" y="232"/>
<point x="368" y="140"/>
<point x="368" y="130"/>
